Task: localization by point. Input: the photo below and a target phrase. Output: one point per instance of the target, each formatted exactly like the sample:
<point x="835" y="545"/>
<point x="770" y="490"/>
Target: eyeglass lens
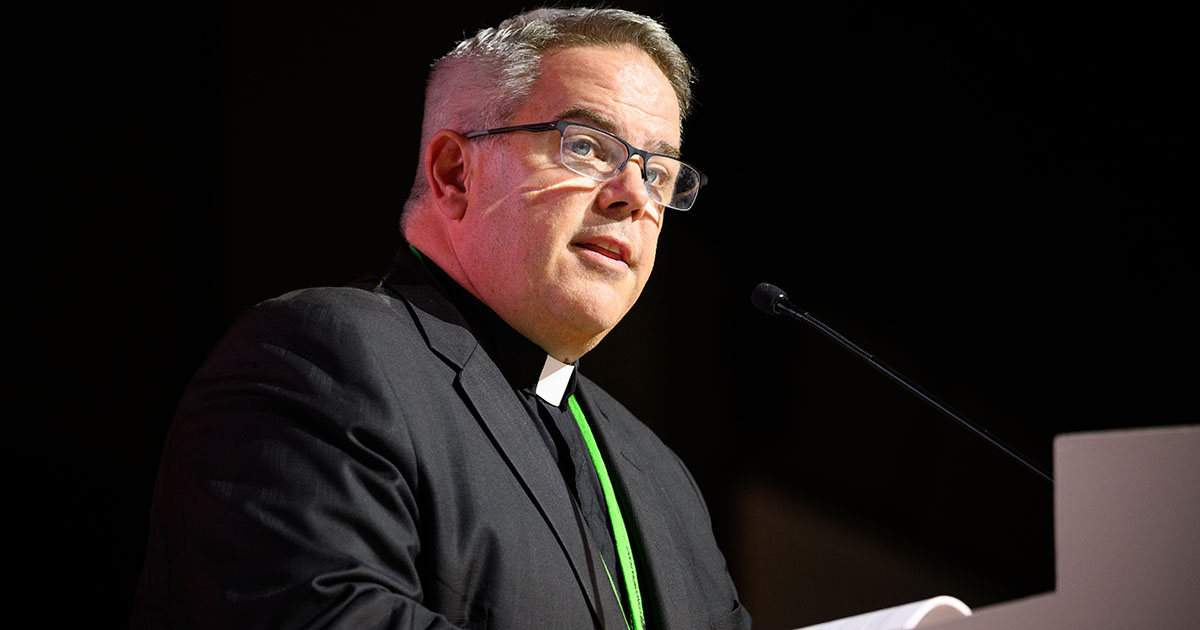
<point x="599" y="155"/>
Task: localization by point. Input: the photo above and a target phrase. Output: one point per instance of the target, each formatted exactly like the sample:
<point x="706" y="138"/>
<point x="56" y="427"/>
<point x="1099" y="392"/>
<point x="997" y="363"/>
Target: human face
<point x="559" y="256"/>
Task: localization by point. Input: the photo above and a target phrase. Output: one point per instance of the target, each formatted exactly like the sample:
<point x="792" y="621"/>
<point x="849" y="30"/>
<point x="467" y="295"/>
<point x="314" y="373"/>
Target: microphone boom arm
<point x="773" y="300"/>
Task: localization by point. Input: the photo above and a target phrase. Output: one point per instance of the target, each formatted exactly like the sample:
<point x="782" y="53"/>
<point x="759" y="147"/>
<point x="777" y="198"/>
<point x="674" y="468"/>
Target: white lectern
<point x="1127" y="537"/>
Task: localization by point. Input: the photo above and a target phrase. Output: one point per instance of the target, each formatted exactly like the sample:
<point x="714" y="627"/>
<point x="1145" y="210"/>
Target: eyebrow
<point x="596" y="119"/>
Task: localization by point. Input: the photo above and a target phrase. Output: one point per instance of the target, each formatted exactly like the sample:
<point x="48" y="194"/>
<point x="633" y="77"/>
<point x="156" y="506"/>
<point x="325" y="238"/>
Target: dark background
<point x="990" y="197"/>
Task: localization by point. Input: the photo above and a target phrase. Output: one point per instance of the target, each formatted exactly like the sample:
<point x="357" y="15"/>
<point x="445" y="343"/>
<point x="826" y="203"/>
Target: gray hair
<point x="484" y="81"/>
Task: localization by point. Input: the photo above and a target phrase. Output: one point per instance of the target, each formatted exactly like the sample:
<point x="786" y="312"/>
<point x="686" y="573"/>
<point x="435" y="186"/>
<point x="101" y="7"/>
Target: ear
<point x="446" y="162"/>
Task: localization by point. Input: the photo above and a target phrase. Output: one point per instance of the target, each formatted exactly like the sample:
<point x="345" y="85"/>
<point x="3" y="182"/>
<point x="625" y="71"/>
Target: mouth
<point x="607" y="248"/>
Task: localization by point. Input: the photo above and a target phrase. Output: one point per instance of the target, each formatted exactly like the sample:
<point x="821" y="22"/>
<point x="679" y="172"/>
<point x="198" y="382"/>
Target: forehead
<point x="620" y="85"/>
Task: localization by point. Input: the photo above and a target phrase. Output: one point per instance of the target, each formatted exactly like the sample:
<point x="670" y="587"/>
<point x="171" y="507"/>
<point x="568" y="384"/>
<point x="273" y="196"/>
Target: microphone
<point x="771" y="300"/>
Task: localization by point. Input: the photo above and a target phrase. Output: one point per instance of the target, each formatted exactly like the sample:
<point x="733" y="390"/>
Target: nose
<point x="626" y="193"/>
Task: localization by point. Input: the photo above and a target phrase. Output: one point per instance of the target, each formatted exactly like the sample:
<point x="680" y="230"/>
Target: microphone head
<point x="766" y="296"/>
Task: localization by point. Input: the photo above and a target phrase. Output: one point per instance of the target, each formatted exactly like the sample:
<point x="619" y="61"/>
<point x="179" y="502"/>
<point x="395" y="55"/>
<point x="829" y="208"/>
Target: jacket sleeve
<point x="286" y="497"/>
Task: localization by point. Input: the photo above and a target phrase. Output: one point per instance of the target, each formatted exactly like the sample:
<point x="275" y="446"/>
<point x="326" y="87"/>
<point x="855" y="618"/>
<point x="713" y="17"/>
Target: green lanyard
<point x="624" y="549"/>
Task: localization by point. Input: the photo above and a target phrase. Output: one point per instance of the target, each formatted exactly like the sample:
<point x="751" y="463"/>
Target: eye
<point x="658" y="176"/>
<point x="584" y="146"/>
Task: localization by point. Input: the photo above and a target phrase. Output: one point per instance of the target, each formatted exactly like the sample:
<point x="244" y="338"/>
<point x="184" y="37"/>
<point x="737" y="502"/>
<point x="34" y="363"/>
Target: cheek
<point x="650" y="249"/>
<point x="528" y="247"/>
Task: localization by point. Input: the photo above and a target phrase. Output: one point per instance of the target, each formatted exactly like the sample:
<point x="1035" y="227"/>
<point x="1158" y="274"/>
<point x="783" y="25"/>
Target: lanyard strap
<point x="624" y="549"/>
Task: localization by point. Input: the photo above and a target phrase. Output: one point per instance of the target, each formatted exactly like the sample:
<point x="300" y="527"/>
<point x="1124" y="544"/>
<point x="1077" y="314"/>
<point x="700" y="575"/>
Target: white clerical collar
<point x="552" y="384"/>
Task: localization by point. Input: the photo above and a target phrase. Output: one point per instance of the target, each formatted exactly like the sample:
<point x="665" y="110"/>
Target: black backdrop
<point x="990" y="197"/>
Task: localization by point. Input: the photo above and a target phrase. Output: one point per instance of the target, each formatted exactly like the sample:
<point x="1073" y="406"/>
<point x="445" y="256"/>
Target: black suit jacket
<point x="352" y="458"/>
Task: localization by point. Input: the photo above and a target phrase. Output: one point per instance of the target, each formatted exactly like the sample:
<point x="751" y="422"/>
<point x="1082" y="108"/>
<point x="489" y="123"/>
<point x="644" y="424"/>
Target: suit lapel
<point x="667" y="578"/>
<point x="506" y="421"/>
<point x="511" y="428"/>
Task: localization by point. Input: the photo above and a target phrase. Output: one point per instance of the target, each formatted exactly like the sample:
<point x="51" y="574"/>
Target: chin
<point x="601" y="304"/>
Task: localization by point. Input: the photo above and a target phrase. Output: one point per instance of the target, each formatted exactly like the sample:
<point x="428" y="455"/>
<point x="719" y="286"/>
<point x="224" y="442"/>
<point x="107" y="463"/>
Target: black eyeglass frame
<point x="630" y="150"/>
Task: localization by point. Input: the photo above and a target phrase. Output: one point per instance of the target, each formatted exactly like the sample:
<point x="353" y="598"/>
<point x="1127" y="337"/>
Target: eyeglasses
<point x="597" y="154"/>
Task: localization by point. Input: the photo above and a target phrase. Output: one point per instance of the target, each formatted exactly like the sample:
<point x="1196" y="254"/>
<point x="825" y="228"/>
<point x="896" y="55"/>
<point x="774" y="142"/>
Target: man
<point x="418" y="451"/>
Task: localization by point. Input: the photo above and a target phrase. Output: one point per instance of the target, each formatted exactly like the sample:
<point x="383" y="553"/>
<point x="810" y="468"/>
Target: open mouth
<point x="604" y="249"/>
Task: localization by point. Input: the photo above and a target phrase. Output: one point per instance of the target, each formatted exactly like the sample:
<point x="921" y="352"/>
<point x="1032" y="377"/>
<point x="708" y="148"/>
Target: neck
<point x="430" y="238"/>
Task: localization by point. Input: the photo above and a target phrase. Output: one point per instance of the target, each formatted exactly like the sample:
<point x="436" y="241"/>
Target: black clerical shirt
<point x="521" y="361"/>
